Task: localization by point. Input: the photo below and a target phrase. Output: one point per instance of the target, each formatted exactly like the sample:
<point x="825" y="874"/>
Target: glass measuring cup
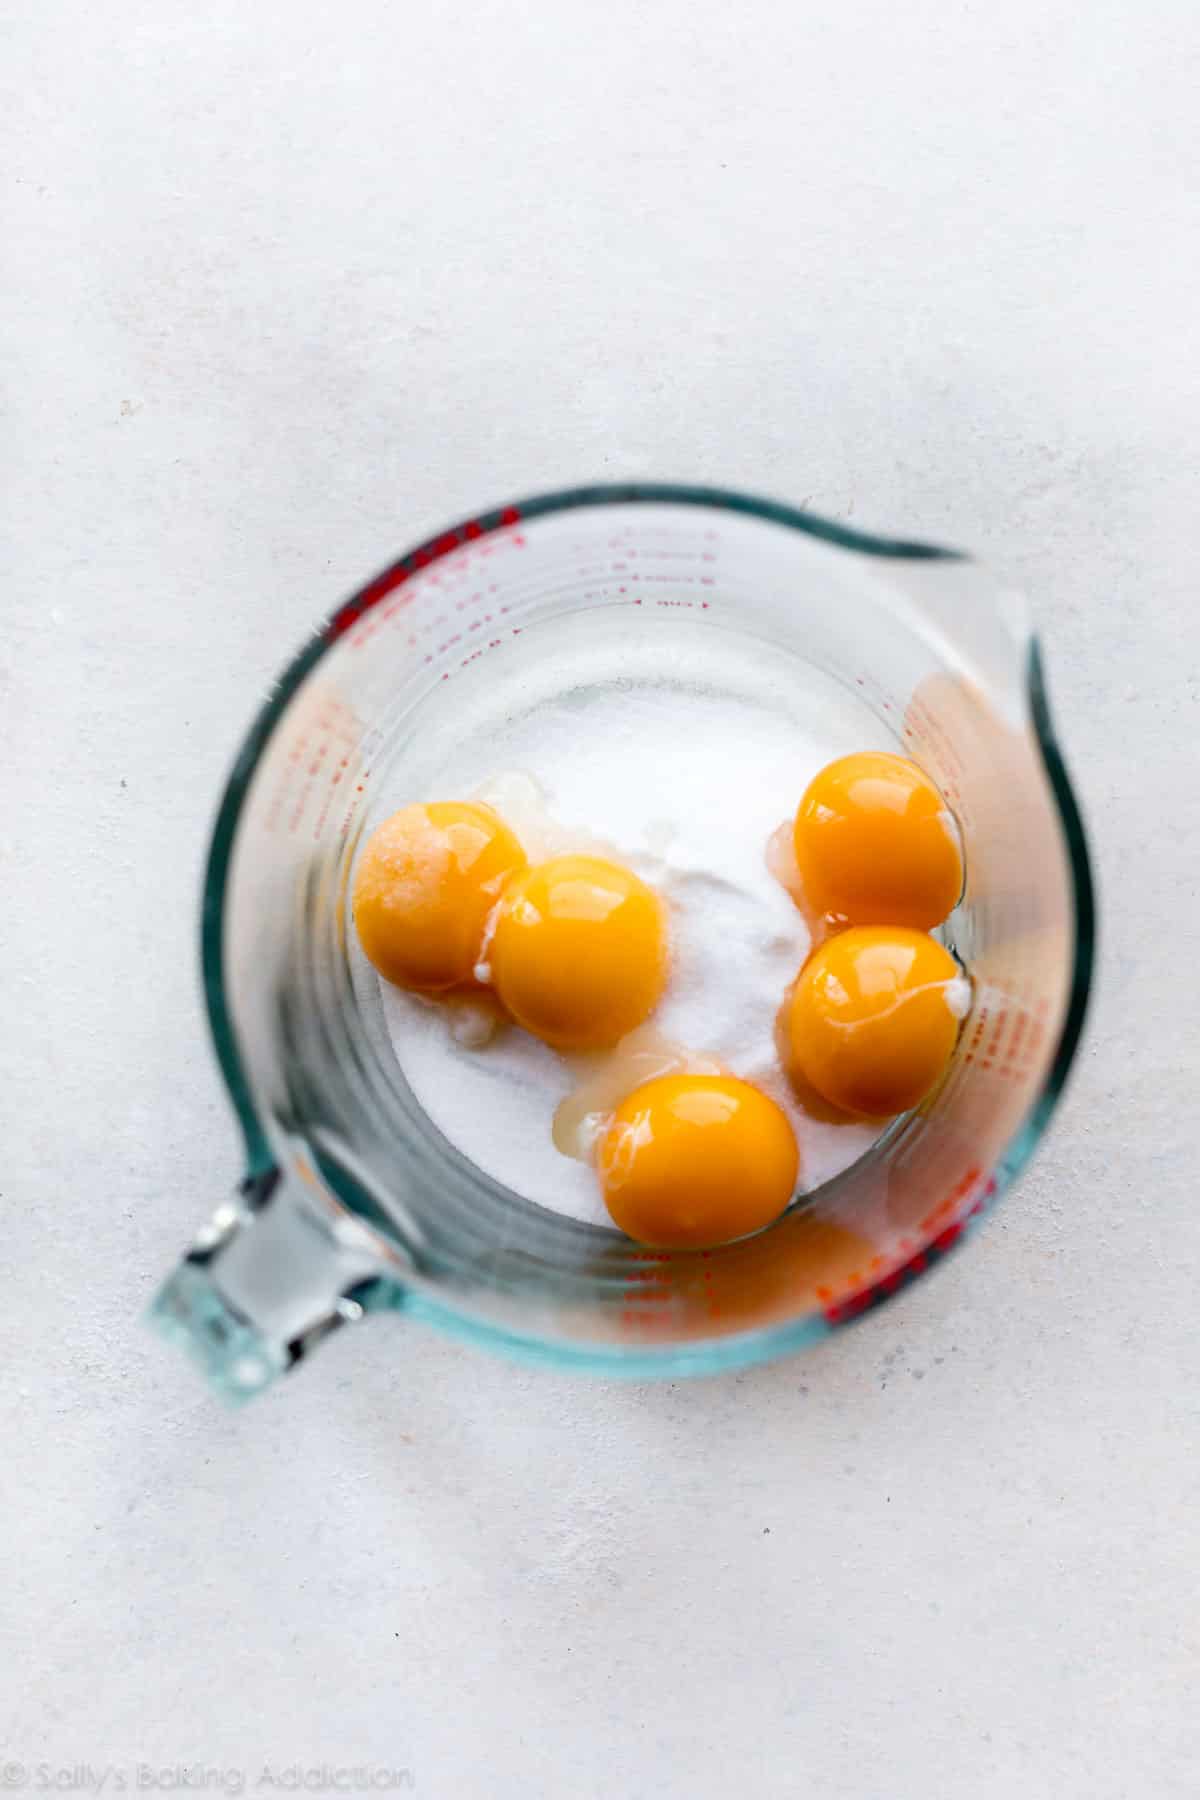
<point x="353" y="1203"/>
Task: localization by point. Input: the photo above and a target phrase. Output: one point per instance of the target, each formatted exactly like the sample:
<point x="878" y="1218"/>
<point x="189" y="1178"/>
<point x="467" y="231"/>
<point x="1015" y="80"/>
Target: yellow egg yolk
<point x="425" y="886"/>
<point x="873" y="1019"/>
<point x="691" y="1161"/>
<point x="876" y="845"/>
<point x="579" y="951"/>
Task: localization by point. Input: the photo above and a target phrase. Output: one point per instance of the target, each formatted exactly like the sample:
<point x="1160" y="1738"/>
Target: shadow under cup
<point x="354" y="1201"/>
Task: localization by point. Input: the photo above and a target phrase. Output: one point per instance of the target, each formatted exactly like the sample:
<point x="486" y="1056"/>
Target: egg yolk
<point x="426" y="883"/>
<point x="690" y="1161"/>
<point x="579" y="951"/>
<point x="876" y="845"/>
<point x="873" y="1019"/>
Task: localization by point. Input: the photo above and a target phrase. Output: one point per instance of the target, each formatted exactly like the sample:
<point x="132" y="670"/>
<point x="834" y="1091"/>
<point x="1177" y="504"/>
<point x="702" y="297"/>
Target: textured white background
<point x="290" y="285"/>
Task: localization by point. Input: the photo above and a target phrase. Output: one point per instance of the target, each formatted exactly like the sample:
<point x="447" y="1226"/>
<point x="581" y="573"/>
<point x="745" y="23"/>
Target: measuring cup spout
<point x="270" y="1277"/>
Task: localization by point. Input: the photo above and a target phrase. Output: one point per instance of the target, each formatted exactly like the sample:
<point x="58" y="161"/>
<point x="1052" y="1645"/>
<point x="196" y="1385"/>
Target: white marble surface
<point x="289" y="285"/>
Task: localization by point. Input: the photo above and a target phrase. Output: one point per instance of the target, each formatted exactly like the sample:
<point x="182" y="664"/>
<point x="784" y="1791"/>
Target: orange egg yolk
<point x="876" y="845"/>
<point x="690" y="1161"/>
<point x="579" y="951"/>
<point x="873" y="1019"/>
<point x="426" y="883"/>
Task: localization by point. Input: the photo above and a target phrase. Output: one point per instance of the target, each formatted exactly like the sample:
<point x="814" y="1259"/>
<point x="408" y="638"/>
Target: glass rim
<point x="738" y="1349"/>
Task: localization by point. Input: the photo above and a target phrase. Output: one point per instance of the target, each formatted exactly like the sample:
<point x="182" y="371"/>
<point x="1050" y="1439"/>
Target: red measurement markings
<point x="1008" y="1033"/>
<point x="942" y="1212"/>
<point x="355" y="803"/>
<point x="294" y="756"/>
<point x="313" y="773"/>
<point x="647" y="1287"/>
<point x="438" y="590"/>
<point x="318" y="758"/>
<point x="492" y="644"/>
<point x="862" y="1299"/>
<point x="473" y="532"/>
<point x="922" y="727"/>
<point x="976" y="1038"/>
<point x="676" y="581"/>
<point x="877" y="694"/>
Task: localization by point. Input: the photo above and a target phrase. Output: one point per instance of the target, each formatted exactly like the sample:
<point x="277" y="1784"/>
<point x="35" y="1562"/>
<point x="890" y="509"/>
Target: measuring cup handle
<point x="268" y="1278"/>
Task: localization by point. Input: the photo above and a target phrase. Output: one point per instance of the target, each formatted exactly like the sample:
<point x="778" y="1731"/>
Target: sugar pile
<point x="678" y="751"/>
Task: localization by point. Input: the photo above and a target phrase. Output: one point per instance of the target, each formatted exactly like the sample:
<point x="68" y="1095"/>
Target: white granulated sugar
<point x="678" y="748"/>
